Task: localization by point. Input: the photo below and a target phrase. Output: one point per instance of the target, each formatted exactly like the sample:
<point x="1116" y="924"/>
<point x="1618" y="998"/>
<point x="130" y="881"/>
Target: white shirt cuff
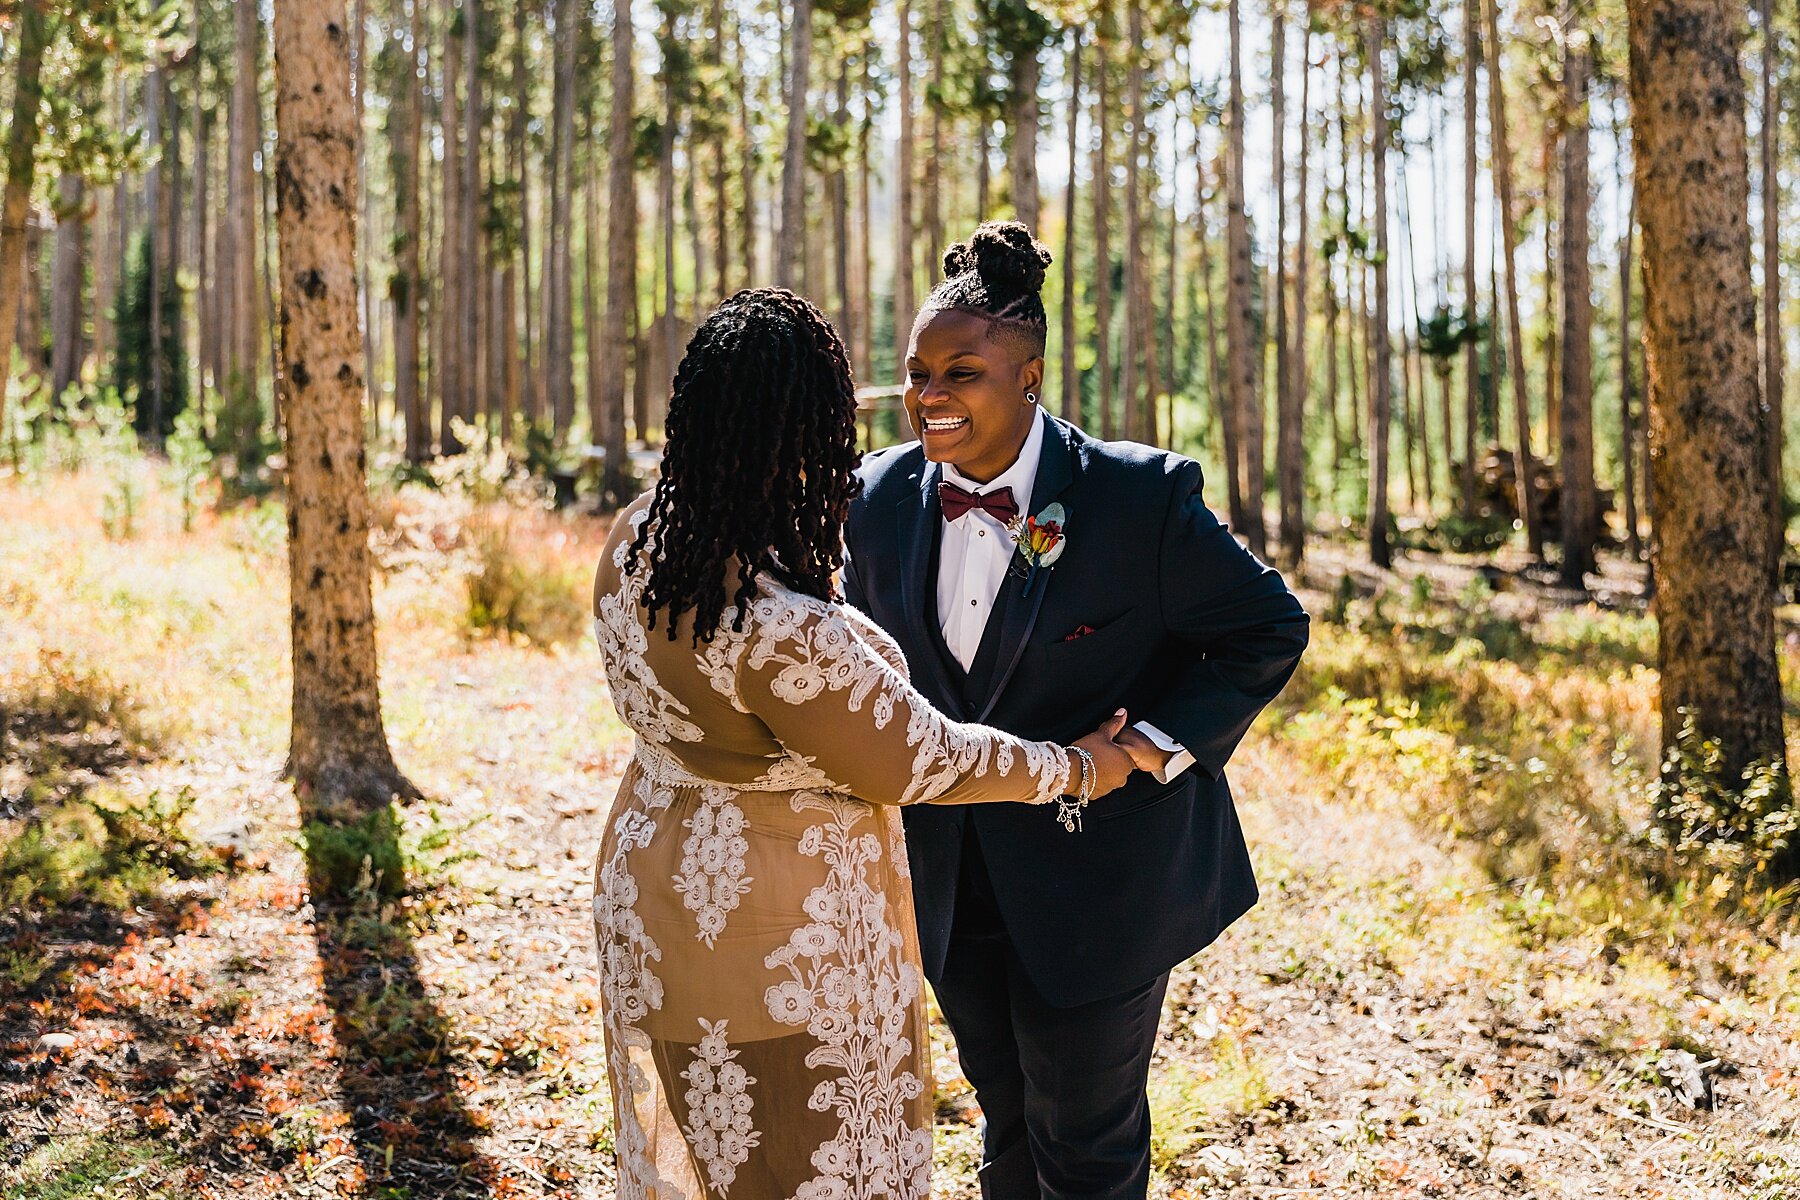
<point x="1182" y="760"/>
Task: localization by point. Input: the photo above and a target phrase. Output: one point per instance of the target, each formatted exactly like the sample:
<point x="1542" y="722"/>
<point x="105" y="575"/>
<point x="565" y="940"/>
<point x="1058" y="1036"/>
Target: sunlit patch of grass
<point x="1190" y="1099"/>
<point x="102" y="849"/>
<point x="90" y="1166"/>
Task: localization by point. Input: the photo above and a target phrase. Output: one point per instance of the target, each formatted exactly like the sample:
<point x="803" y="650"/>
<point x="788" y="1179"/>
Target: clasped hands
<point x="1117" y="751"/>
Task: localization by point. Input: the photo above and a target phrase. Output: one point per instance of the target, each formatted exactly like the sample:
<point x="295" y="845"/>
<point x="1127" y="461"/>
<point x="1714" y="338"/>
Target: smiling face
<point x="965" y="392"/>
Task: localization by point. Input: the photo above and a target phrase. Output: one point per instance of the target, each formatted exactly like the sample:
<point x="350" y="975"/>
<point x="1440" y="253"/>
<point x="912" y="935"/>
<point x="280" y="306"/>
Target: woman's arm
<point x="830" y="699"/>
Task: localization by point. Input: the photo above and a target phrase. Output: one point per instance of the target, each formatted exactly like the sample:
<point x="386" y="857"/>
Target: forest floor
<point x="1472" y="973"/>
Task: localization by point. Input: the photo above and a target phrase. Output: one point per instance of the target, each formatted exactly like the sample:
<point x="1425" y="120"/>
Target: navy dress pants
<point x="1061" y="1089"/>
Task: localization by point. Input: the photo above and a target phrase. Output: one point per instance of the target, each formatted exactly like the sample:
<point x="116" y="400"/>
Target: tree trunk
<point x="1071" y="378"/>
<point x="559" y="301"/>
<point x="1026" y="72"/>
<point x="840" y="209"/>
<point x="1215" y="368"/>
<point x="1580" y="509"/>
<point x="1503" y="183"/>
<point x="1102" y="246"/>
<point x="1471" y="302"/>
<point x="470" y="208"/>
<point x="1290" y="340"/>
<point x="242" y="201"/>
<point x="792" y="243"/>
<point x="21" y="162"/>
<point x="937" y="50"/>
<point x="903" y="200"/>
<point x="621" y="260"/>
<point x="1716" y="646"/>
<point x="1131" y="340"/>
<point x="666" y="357"/>
<point x="1240" y="350"/>
<point x="449" y="350"/>
<point x="1774" y="386"/>
<point x="748" y="171"/>
<point x="68" y="278"/>
<point x="408" y="287"/>
<point x="865" y="240"/>
<point x="339" y="754"/>
<point x="1627" y="389"/>
<point x="1381" y="390"/>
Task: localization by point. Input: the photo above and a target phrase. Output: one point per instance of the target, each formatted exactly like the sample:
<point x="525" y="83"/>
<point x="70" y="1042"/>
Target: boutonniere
<point x="1040" y="540"/>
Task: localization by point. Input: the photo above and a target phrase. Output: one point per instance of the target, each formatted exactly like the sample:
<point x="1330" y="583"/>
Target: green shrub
<point x="109" y="852"/>
<point x="510" y="591"/>
<point x="1735" y="831"/>
<point x="345" y="857"/>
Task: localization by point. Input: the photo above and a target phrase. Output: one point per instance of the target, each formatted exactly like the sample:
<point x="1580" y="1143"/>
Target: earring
<point x="1031" y="397"/>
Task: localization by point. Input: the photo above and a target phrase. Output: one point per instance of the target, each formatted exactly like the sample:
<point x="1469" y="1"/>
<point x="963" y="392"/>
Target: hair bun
<point x="1002" y="252"/>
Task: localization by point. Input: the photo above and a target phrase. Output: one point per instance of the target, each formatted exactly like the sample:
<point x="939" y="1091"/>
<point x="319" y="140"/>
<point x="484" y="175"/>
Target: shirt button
<point x="974" y="604"/>
<point x="981" y="533"/>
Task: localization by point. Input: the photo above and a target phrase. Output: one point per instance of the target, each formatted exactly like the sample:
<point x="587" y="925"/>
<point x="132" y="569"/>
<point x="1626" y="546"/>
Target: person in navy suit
<point x="1039" y="579"/>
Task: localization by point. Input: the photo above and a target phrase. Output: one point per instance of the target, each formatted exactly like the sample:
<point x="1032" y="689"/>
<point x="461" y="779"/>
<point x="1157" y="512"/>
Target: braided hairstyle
<point x="759" y="467"/>
<point x="998" y="274"/>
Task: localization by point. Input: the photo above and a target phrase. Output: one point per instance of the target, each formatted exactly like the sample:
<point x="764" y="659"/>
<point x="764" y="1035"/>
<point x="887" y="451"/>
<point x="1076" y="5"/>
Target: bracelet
<point x="1068" y="808"/>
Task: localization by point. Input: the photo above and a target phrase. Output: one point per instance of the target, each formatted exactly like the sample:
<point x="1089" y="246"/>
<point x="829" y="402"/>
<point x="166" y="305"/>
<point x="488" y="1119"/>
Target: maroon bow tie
<point x="998" y="504"/>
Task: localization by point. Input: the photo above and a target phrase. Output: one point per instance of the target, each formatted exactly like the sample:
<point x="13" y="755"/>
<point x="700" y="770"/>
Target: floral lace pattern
<point x="719" y="1128"/>
<point x="851" y="984"/>
<point x="712" y="876"/>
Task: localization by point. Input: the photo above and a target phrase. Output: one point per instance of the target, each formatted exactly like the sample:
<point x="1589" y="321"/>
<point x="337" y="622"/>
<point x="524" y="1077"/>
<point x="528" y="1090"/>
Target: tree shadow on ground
<point x="413" y="1133"/>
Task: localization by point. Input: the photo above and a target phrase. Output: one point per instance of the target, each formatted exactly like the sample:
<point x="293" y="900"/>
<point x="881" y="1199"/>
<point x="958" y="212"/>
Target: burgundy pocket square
<point x="1081" y="631"/>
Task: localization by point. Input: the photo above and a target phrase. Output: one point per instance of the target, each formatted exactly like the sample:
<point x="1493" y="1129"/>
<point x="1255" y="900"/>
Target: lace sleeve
<point x="832" y="700"/>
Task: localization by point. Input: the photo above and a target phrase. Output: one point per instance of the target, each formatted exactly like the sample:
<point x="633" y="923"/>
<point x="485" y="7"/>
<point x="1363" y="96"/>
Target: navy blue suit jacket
<point x="1189" y="632"/>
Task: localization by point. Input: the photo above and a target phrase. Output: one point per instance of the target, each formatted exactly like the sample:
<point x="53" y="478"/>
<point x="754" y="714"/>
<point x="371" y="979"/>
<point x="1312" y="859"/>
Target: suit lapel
<point x="1056" y="471"/>
<point x="917" y="518"/>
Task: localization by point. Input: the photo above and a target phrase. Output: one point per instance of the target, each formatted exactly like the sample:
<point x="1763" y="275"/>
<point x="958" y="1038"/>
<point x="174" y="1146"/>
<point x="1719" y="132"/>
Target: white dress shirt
<point x="972" y="561"/>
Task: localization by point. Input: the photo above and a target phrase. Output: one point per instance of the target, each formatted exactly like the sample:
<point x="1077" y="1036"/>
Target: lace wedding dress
<point x="759" y="967"/>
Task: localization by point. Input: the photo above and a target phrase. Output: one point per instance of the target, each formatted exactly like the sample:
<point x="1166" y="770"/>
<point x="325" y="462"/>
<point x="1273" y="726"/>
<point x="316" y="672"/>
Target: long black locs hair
<point x="759" y="465"/>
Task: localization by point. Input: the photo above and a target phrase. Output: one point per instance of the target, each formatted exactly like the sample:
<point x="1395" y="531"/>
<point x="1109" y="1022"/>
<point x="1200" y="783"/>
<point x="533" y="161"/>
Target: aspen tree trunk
<point x="1580" y="509"/>
<point x="1503" y="182"/>
<point x="1709" y="472"/>
<point x="1471" y="297"/>
<point x="1102" y="247"/>
<point x="621" y="258"/>
<point x="792" y="243"/>
<point x="339" y="754"/>
<point x="1245" y="405"/>
<point x="903" y="200"/>
<point x="1071" y="379"/>
<point x="1381" y="388"/>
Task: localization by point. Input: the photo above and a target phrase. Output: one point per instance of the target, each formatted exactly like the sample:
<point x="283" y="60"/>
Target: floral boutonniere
<point x="1040" y="541"/>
